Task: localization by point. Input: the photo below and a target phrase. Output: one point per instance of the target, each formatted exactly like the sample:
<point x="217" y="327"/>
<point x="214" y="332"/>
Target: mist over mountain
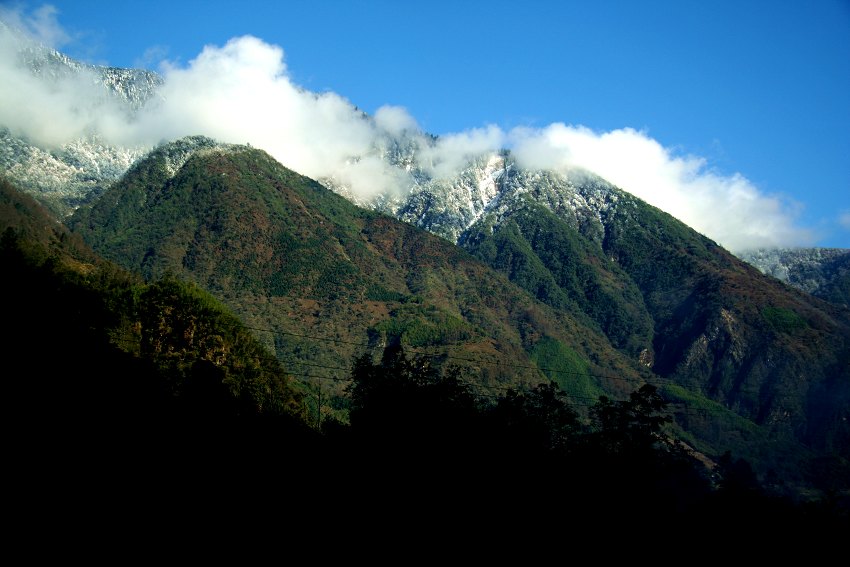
<point x="55" y="111"/>
<point x="161" y="385"/>
<point x="242" y="93"/>
<point x="594" y="262"/>
<point x="596" y="298"/>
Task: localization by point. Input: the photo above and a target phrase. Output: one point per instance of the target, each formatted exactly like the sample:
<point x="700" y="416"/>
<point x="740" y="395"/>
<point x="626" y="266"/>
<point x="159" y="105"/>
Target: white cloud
<point x="453" y="151"/>
<point x="395" y="120"/>
<point x="727" y="208"/>
<point x="237" y="93"/>
<point x="42" y="24"/>
<point x="844" y="220"/>
<point x="54" y="110"/>
<point x="241" y="93"/>
<point x="151" y="57"/>
<point x="369" y="177"/>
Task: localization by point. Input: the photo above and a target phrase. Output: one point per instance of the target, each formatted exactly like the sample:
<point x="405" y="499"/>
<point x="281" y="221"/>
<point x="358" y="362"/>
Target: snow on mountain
<point x="73" y="173"/>
<point x="808" y="269"/>
<point x="133" y="86"/>
<point x="490" y="184"/>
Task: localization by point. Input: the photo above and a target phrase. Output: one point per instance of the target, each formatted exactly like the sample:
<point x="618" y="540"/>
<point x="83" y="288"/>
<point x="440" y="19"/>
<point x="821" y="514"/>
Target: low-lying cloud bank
<point x="242" y="93"/>
<point x="727" y="208"/>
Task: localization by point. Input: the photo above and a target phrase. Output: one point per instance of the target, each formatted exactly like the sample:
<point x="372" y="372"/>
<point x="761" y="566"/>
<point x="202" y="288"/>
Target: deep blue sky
<point x="761" y="88"/>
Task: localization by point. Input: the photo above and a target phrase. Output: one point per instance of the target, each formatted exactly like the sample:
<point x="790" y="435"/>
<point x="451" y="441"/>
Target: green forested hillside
<point x="749" y="366"/>
<point x="551" y="260"/>
<point x="837" y="289"/>
<point x="323" y="280"/>
<point x="97" y="360"/>
<point x="149" y="393"/>
<point x="704" y="322"/>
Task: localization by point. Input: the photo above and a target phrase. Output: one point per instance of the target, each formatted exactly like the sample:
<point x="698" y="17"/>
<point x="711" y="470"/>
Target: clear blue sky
<point x="760" y="88"/>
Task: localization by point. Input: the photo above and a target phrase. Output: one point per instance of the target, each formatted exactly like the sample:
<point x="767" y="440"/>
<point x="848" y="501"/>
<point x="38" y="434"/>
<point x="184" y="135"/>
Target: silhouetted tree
<point x="631" y="426"/>
<point x="539" y="420"/>
<point x="407" y="402"/>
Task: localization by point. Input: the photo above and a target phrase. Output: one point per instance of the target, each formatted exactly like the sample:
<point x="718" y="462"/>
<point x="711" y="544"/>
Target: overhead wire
<point x="585" y="401"/>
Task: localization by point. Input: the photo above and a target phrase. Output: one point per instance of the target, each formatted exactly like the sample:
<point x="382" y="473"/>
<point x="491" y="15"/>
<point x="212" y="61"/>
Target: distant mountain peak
<point x="823" y="272"/>
<point x="64" y="176"/>
<point x="133" y="86"/>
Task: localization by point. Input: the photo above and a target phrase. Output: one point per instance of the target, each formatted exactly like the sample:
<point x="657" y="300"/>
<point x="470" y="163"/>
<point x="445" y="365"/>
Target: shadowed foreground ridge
<point x="420" y="440"/>
<point x="199" y="393"/>
<point x="600" y="304"/>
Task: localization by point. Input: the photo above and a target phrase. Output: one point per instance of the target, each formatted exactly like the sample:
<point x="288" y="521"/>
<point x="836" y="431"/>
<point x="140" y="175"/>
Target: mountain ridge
<point x="171" y="394"/>
<point x="823" y="272"/>
<point x="649" y="300"/>
<point x="362" y="235"/>
<point x="555" y="275"/>
<point x="65" y="178"/>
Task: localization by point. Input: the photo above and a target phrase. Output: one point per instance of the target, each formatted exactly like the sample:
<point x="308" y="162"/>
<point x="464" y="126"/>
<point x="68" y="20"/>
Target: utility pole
<point x="319" y="410"/>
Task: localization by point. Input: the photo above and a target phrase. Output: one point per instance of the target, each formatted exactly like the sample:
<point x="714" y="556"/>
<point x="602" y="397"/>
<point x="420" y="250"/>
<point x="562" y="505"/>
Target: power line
<point x="479" y="387"/>
<point x="453" y="357"/>
<point x="659" y="380"/>
<point x="326" y="339"/>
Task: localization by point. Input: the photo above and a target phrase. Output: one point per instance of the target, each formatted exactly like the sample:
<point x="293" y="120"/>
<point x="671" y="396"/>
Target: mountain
<point x="149" y="398"/>
<point x="522" y="277"/>
<point x="598" y="299"/>
<point x="662" y="294"/>
<point x="67" y="175"/>
<point x="322" y="279"/>
<point x="122" y="393"/>
<point x="823" y="272"/>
